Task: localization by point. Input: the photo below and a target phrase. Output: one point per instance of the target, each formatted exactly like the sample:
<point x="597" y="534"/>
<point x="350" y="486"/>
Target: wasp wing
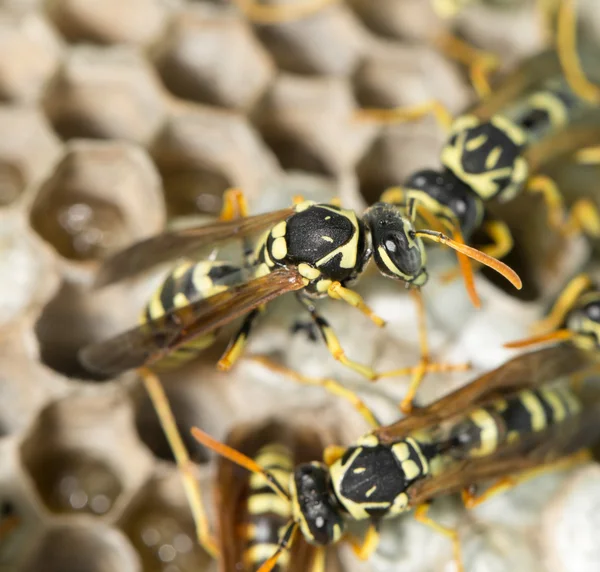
<point x="530" y="452"/>
<point x="151" y="341"/>
<point x="171" y="245"/>
<point x="525" y="371"/>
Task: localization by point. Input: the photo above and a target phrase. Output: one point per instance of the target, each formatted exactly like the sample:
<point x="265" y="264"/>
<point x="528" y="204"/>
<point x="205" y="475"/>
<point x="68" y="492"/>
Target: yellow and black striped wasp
<point x="315" y="250"/>
<point x="504" y="426"/>
<point x="544" y="111"/>
<point x="250" y="514"/>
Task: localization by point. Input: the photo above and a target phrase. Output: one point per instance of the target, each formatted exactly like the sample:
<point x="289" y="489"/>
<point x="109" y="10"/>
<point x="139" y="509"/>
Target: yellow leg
<point x="365" y="548"/>
<point x="167" y="421"/>
<point x="480" y="63"/>
<point x="277" y="14"/>
<point x="393" y="195"/>
<point x="330" y="385"/>
<point x="566" y="46"/>
<point x="549" y="191"/>
<point x="234" y="205"/>
<point x="471" y="499"/>
<point x="238" y="342"/>
<point x="422" y="517"/>
<point x="424" y="366"/>
<point x="502" y="244"/>
<point x="411" y="113"/>
<point x="563" y="304"/>
<point x="584" y="217"/>
<point x="331" y="340"/>
<point x="333" y="453"/>
<point x="319" y="560"/>
<point x="338" y="292"/>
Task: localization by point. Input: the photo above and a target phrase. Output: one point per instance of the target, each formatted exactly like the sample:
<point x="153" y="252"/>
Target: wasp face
<point x="397" y="251"/>
<point x="446" y="189"/>
<point x="314" y="506"/>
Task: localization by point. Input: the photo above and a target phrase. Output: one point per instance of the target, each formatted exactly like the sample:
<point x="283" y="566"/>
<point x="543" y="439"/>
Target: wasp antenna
<point x="557" y="336"/>
<point x="239" y="459"/>
<point x="287" y="538"/>
<point x="475" y="254"/>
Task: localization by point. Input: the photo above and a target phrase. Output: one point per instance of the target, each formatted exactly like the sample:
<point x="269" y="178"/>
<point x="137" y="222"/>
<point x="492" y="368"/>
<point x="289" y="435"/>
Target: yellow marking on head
<point x="371" y="491"/>
<point x="359" y="470"/>
<point x="533" y="405"/>
<point x="488" y="432"/>
<point x="269" y="502"/>
<point x="349" y="250"/>
<point x="411" y="469"/>
<point x="327" y="238"/>
<point x="552" y="398"/>
<point x="308" y="271"/>
<point x="476" y="142"/>
<point x="493" y="157"/>
<point x="391" y="266"/>
<point x="401" y="451"/>
<point x="279" y="229"/>
<point x="279" y="248"/>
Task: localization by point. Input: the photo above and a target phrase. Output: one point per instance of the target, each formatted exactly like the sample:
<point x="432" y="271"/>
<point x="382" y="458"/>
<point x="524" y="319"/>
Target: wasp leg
<point x="409" y="113"/>
<point x="588" y="156"/>
<point x="418" y="372"/>
<point x="549" y="191"/>
<point x="480" y="63"/>
<point x="192" y="489"/>
<point x="319" y="560"/>
<point x="363" y="549"/>
<point x="584" y="217"/>
<point x="338" y="292"/>
<point x="502" y="244"/>
<point x="332" y="342"/>
<point x="277" y="14"/>
<point x="421" y="516"/>
<point x="471" y="499"/>
<point x="238" y="342"/>
<point x="330" y="385"/>
<point x="563" y="305"/>
<point x="234" y="205"/>
<point x="333" y="453"/>
<point x="566" y="48"/>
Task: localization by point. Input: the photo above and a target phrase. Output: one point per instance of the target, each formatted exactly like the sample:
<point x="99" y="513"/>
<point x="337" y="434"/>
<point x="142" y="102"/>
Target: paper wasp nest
<point x="119" y="117"/>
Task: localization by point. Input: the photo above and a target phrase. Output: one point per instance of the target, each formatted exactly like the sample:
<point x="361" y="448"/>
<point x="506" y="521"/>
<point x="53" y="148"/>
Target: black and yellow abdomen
<point x="485" y="429"/>
<point x="267" y="512"/>
<point x="190" y="282"/>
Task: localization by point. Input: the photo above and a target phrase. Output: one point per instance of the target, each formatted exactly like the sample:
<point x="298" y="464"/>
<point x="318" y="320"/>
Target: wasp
<point x="543" y="111"/>
<point x="504" y="426"/>
<point x="251" y="515"/>
<point x="314" y="250"/>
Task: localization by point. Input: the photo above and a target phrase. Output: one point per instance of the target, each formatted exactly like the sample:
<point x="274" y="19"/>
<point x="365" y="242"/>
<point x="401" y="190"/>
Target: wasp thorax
<point x="397" y="251"/>
<point x="314" y="507"/>
<point x="449" y="191"/>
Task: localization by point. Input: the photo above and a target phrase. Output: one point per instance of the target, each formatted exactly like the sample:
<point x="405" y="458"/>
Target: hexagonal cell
<point x="160" y="527"/>
<point x="213" y="59"/>
<point x="109" y="22"/>
<point x="201" y="151"/>
<point x="75" y="548"/>
<point x="101" y="197"/>
<point x="309" y="124"/>
<point x="107" y="93"/>
<point x="27" y="155"/>
<point x="328" y="42"/>
<point x="30" y="53"/>
<point x="82" y="454"/>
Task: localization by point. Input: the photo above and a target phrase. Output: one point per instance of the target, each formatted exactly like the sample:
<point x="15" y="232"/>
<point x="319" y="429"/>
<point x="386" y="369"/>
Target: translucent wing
<point x="171" y="245"/>
<point x="525" y="371"/>
<point x="153" y="340"/>
<point x="526" y="454"/>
